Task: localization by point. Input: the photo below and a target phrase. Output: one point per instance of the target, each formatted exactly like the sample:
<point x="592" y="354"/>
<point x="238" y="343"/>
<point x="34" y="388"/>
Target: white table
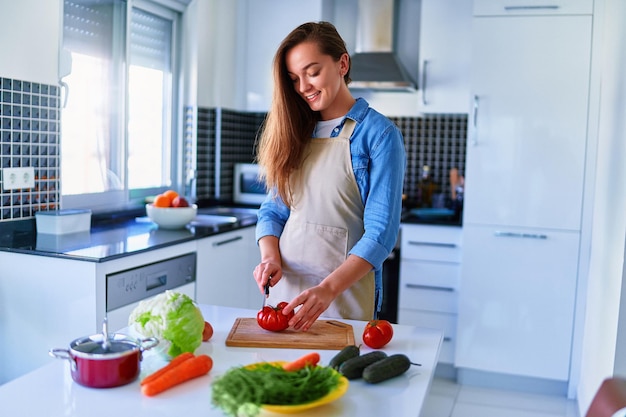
<point x="50" y="391"/>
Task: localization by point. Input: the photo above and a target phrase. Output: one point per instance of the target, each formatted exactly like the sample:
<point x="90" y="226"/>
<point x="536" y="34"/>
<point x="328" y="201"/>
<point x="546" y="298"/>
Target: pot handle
<point x="63" y="354"/>
<point x="149" y="343"/>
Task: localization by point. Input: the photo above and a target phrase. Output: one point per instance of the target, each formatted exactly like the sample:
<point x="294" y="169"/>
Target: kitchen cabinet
<point x="30" y="36"/>
<point x="532" y="7"/>
<point x="527" y="135"/>
<point x="523" y="194"/>
<point x="444" y="55"/>
<point x="517" y="301"/>
<point x="429" y="280"/>
<point x="225" y="265"/>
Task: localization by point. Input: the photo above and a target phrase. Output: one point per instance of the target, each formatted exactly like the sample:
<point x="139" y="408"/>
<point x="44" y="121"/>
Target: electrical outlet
<point x="18" y="178"/>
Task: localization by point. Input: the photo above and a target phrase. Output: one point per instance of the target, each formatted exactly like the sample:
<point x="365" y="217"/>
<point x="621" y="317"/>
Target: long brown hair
<point x="290" y="121"/>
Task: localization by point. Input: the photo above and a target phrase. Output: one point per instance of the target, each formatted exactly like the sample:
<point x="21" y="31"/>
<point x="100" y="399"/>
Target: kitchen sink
<point x="213" y="220"/>
<point x="239" y="213"/>
<point x="229" y="211"/>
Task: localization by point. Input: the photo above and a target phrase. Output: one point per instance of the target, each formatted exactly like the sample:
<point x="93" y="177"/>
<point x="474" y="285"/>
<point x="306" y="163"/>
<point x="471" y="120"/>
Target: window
<point x="118" y="125"/>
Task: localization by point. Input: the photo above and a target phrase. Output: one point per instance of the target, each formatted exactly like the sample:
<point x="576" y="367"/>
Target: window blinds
<point x="94" y="27"/>
<point x="150" y="40"/>
<point x="88" y="26"/>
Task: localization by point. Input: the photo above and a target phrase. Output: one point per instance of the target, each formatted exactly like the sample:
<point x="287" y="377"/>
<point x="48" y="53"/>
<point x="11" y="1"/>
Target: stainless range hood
<point x="375" y="65"/>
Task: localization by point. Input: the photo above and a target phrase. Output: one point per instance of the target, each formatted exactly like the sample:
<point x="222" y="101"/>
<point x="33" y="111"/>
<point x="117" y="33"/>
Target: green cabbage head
<point x="171" y="317"/>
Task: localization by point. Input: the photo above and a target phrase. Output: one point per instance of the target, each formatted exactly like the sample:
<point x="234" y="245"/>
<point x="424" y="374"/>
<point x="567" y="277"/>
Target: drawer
<point x="415" y="297"/>
<point x="441" y="321"/>
<point x="430" y="274"/>
<point x="433" y="243"/>
<point x="531" y="7"/>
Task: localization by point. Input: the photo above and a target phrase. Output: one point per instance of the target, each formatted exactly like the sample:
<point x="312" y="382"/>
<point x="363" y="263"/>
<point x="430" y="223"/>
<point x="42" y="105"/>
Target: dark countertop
<point x="111" y="237"/>
<point x="122" y="234"/>
<point x="439" y="218"/>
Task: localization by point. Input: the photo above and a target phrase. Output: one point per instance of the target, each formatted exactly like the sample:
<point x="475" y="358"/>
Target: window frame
<point x="114" y="200"/>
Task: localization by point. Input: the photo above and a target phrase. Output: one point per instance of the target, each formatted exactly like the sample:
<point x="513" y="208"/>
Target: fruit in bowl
<point x="171" y="211"/>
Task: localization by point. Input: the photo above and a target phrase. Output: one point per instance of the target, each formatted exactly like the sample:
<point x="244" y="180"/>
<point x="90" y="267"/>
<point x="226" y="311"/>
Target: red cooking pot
<point x="97" y="363"/>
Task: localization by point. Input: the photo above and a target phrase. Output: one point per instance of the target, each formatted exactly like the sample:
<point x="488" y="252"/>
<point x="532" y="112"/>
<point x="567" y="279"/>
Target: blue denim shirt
<point x="379" y="161"/>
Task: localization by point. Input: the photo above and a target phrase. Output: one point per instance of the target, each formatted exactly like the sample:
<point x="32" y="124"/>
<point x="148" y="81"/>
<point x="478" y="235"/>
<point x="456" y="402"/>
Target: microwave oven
<point x="248" y="188"/>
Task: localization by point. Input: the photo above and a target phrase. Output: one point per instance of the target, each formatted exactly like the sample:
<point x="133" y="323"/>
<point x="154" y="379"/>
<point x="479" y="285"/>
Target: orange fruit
<point x="171" y="194"/>
<point x="162" y="200"/>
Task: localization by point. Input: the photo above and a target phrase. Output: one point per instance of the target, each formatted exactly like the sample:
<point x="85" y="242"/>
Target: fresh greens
<point x="241" y="391"/>
<point x="171" y="317"/>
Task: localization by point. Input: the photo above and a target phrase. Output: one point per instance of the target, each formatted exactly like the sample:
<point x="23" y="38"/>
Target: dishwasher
<point x="126" y="289"/>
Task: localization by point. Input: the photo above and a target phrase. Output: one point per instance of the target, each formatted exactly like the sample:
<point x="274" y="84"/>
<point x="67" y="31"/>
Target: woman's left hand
<point x="313" y="302"/>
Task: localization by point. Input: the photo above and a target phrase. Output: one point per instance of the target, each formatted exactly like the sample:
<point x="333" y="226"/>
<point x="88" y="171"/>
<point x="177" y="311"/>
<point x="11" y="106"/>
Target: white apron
<point x="326" y="221"/>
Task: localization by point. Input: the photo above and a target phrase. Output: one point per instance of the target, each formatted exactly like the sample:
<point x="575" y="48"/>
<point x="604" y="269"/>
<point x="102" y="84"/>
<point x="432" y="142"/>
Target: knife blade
<point x="267" y="292"/>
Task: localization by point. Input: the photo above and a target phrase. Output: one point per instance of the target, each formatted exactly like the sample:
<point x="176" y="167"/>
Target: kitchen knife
<point x="267" y="292"/>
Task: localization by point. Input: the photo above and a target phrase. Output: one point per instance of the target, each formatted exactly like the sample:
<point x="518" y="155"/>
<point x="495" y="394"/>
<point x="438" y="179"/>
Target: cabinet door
<point x="534" y="7"/>
<point x="29" y="40"/>
<point x="516" y="301"/>
<point x="527" y="136"/>
<point x="224" y="275"/>
<point x="444" y="54"/>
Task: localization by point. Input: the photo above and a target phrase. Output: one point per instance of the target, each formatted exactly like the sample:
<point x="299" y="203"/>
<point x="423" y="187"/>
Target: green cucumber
<point x="386" y="368"/>
<point x="346" y="353"/>
<point x="353" y="368"/>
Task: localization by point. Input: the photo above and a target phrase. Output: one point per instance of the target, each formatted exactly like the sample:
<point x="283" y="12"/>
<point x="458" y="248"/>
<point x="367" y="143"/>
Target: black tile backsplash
<point x="436" y="140"/>
<point x="206" y="153"/>
<point x="237" y="132"/>
<point x="30" y="137"/>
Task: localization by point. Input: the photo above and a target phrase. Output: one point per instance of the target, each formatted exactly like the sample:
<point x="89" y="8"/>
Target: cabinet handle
<point x="65" y="92"/>
<point x="435" y="244"/>
<point x="475" y="120"/>
<point x="224" y="242"/>
<point x="423" y="86"/>
<point x="521" y="235"/>
<point x="429" y="287"/>
<point x="447" y="339"/>
<point x="544" y="7"/>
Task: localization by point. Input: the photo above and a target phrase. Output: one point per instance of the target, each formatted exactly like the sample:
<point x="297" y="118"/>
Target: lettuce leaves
<point x="171" y="317"/>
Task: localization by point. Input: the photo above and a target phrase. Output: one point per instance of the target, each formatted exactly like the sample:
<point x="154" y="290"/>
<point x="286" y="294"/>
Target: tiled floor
<point x="448" y="399"/>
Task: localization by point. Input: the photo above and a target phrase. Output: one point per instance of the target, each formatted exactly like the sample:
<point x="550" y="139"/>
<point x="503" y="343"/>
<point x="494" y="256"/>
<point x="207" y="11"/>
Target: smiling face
<point x="318" y="79"/>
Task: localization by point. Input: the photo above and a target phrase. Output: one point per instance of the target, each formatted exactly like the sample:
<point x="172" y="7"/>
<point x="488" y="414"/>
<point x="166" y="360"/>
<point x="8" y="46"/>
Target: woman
<point x="335" y="169"/>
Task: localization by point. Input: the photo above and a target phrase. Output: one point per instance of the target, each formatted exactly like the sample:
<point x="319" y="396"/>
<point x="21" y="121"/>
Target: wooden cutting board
<point x="324" y="334"/>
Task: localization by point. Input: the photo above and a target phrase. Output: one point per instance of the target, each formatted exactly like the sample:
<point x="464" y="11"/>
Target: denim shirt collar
<point x="356" y="113"/>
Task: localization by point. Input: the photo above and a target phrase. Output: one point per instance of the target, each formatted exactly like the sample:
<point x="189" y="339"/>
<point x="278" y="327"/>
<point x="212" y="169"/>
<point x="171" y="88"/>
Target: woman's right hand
<point x="270" y="265"/>
<point x="266" y="270"/>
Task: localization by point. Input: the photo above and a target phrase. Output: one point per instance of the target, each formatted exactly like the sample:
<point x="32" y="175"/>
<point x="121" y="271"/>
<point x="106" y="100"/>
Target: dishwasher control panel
<point x="136" y="284"/>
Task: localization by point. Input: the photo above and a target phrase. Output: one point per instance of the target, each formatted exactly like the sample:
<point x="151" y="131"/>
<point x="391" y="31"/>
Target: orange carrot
<point x="173" y="364"/>
<point x="309" y="359"/>
<point x="189" y="369"/>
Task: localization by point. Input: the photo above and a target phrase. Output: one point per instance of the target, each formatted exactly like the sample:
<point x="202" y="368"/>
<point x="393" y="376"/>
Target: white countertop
<point x="50" y="391"/>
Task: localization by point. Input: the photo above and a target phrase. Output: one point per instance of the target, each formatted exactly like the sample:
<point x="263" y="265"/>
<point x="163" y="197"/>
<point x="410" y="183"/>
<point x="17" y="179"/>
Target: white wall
<point x="30" y="35"/>
<point x="605" y="323"/>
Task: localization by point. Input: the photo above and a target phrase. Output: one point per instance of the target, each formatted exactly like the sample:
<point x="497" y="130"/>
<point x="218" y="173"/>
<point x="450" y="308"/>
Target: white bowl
<point x="171" y="217"/>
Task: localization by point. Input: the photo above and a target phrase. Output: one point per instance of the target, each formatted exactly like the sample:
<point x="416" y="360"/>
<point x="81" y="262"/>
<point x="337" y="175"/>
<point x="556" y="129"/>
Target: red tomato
<point x="377" y="333"/>
<point x="207" y="332"/>
<point x="273" y="319"/>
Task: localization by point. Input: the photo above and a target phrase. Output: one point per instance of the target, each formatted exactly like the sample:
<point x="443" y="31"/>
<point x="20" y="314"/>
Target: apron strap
<point x="347" y="129"/>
